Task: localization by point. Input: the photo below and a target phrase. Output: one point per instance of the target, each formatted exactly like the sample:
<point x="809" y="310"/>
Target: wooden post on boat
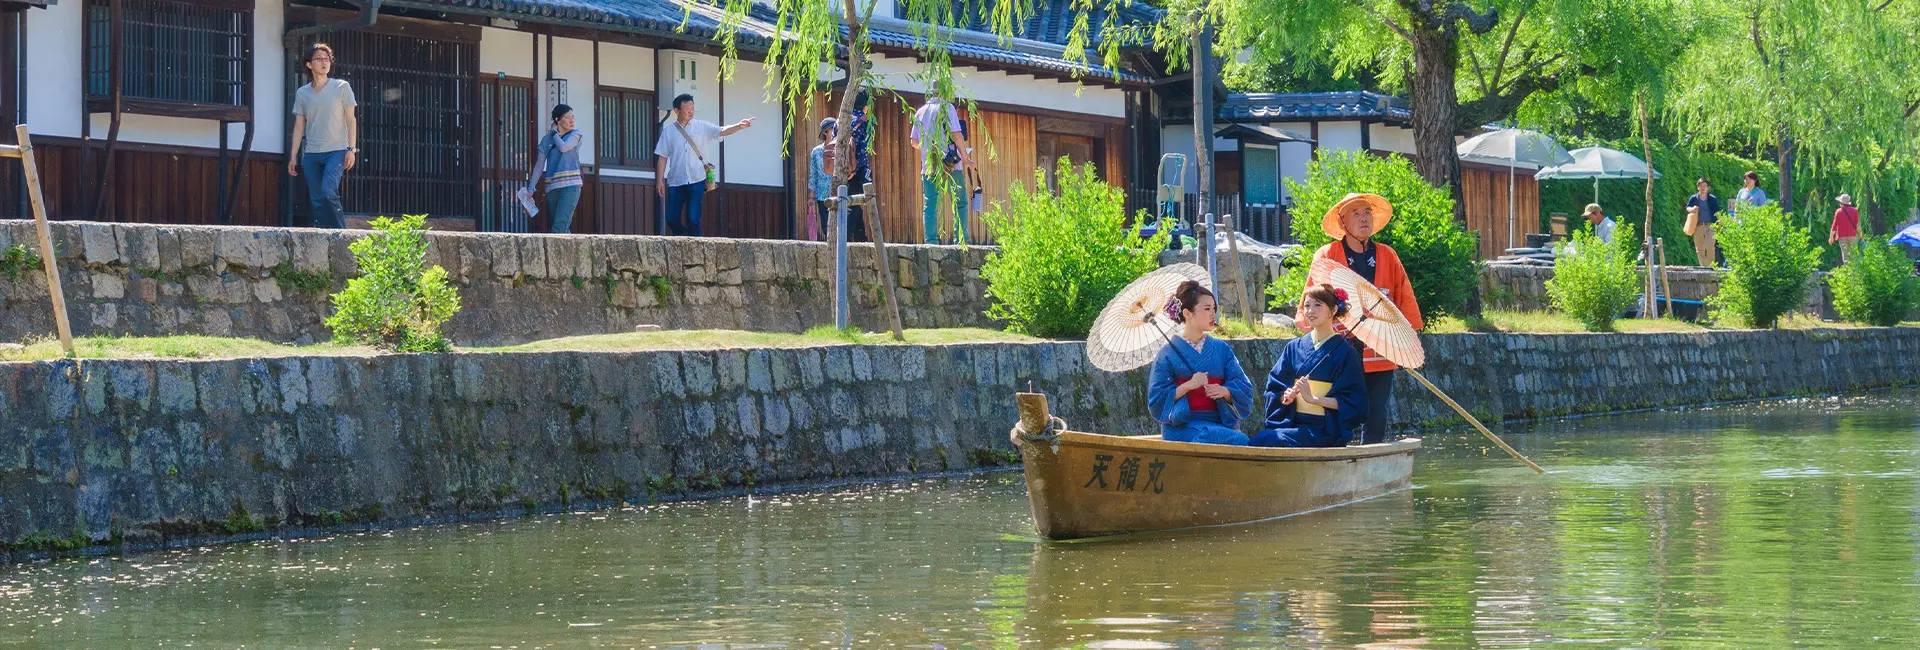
<point x="31" y="170"/>
<point x="1034" y="417"/>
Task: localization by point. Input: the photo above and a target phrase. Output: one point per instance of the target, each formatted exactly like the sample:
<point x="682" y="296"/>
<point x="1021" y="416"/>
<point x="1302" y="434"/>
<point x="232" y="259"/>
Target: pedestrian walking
<point x="1750" y="196"/>
<point x="1703" y="210"/>
<point x="559" y="161"/>
<point x="935" y="123"/>
<point x="1846" y="228"/>
<point x="682" y="172"/>
<point x="820" y="165"/>
<point x="325" y="134"/>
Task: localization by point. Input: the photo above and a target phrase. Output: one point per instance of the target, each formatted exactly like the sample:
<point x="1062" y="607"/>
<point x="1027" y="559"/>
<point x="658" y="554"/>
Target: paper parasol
<point x="1371" y="316"/>
<point x="1132" y="328"/>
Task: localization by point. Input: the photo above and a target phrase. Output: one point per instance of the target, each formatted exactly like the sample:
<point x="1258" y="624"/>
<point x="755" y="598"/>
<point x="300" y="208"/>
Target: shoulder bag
<point x="712" y="182"/>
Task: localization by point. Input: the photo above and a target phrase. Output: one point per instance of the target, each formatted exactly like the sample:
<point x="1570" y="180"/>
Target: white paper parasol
<point x="1371" y="316"/>
<point x="1130" y="331"/>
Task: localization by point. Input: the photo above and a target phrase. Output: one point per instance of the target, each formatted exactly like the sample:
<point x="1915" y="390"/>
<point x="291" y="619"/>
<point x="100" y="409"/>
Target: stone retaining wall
<point x="1524" y="288"/>
<point x="273" y="283"/>
<point x="144" y="451"/>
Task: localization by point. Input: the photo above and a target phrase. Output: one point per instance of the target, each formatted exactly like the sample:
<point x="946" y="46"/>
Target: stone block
<point x="310" y="250"/>
<point x="98" y="244"/>
<point x="730" y="369"/>
<point x="622" y="254"/>
<point x="108" y="286"/>
<point x="533" y="257"/>
<point x="698" y="372"/>
<point x="139" y="246"/>
<point x="267" y="248"/>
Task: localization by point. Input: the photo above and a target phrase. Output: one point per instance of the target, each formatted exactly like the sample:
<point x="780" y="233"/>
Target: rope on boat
<point x="1055" y="425"/>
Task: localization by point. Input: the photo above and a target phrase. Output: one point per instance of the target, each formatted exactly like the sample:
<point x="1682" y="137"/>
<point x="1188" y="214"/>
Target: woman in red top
<point x="1352" y="223"/>
<point x="1846" y="228"/>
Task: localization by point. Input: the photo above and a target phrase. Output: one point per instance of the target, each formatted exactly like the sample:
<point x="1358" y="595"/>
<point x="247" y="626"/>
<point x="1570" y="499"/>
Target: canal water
<point x="1777" y="524"/>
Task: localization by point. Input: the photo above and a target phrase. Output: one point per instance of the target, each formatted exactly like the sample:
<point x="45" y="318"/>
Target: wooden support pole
<point x="839" y="245"/>
<point x="1666" y="287"/>
<point x="870" y="200"/>
<point x="31" y="170"/>
<point x="1240" y="275"/>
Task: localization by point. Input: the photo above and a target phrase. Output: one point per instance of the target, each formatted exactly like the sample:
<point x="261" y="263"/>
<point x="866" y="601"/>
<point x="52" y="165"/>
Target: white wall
<point x="1344" y="136"/>
<point x="626" y="66"/>
<point x="1179" y="139"/>
<point x="506" y="51"/>
<point x="1392" y="138"/>
<point x="753" y="155"/>
<point x="572" y="61"/>
<point x="1294" y="157"/>
<point x="55" y="94"/>
<point x="1018" y="90"/>
<point x="704" y="86"/>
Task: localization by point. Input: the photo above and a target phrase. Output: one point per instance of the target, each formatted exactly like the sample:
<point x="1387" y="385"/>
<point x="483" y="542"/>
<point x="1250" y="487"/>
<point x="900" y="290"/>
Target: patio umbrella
<point x="1131" y="329"/>
<point x="1597" y="163"/>
<point x="1377" y="322"/>
<point x="1513" y="147"/>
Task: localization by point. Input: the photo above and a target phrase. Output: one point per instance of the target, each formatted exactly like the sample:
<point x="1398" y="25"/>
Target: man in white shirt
<point x="1602" y="225"/>
<point x="682" y="164"/>
<point x="936" y="123"/>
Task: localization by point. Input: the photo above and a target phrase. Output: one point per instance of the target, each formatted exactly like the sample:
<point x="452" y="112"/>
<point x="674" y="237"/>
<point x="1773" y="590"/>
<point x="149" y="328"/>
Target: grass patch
<point x="1234" y="328"/>
<point x="168" y="347"/>
<point x="18" y="259"/>
<point x="1547" y="322"/>
<point x="292" y="280"/>
<point x="718" y="339"/>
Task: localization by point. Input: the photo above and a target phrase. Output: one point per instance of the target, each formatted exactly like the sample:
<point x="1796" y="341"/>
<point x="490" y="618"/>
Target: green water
<point x="1768" y="525"/>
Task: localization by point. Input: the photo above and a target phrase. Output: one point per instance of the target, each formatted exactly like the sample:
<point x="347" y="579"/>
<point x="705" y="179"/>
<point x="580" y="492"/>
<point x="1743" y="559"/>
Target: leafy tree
<point x="1877" y="287"/>
<point x="1827" y="80"/>
<point x="1438" y="253"/>
<point x="1465" y="64"/>
<point x="1061" y="258"/>
<point x="1769" y="261"/>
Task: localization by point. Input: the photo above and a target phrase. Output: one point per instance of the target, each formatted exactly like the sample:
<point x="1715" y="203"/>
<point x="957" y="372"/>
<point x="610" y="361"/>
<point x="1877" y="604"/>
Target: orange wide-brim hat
<point x="1382" y="213"/>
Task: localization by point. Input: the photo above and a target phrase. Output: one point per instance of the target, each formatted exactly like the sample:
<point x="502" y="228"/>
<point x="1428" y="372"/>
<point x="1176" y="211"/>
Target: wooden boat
<point x="1091" y="485"/>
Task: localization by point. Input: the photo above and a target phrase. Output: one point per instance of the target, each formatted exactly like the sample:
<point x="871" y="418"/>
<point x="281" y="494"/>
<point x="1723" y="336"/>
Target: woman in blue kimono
<point x="1197" y="390"/>
<point x="1316" y="392"/>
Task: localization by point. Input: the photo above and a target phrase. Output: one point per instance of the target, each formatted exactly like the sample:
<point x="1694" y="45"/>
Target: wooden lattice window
<point x="171" y="52"/>
<point x="626" y="122"/>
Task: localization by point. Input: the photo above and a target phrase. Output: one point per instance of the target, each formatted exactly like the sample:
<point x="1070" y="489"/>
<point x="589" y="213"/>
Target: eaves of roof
<point x="1348" y="105"/>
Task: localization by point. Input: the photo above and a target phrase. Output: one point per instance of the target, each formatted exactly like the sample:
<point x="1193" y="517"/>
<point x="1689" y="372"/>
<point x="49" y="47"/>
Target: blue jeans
<point x="689" y="195"/>
<point x="323" y="187"/>
<point x="560" y="205"/>
<point x="930" y="210"/>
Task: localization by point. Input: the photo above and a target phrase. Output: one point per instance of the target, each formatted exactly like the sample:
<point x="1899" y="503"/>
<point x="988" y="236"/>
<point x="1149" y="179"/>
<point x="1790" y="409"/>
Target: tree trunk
<point x="1785" y="161"/>
<point x="1203" y="131"/>
<point x="1435" y="60"/>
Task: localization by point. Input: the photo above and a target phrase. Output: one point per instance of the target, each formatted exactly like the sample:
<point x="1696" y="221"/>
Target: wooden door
<point x="506" y="152"/>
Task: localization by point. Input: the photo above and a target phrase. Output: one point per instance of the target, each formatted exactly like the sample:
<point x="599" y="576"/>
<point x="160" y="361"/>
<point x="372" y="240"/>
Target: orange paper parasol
<point x="1374" y="319"/>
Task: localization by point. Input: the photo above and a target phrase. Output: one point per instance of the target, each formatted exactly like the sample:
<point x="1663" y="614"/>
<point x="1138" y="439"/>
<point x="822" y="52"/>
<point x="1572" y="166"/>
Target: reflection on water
<point x="1756" y="526"/>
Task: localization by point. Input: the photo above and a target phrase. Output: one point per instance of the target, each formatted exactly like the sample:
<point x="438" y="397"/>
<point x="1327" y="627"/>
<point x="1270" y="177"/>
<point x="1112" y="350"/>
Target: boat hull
<point x="1092" y="485"/>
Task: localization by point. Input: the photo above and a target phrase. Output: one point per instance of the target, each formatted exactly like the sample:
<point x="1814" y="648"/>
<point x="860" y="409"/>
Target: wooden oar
<point x="1475" y="421"/>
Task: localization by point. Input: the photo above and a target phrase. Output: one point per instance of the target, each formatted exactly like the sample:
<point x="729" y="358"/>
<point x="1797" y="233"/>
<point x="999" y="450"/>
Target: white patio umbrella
<point x="1513" y="147"/>
<point x="1597" y="163"/>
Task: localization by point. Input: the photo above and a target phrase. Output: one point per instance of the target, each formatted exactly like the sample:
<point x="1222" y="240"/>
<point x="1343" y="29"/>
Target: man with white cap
<point x="1846" y="227"/>
<point x="1352" y="223"/>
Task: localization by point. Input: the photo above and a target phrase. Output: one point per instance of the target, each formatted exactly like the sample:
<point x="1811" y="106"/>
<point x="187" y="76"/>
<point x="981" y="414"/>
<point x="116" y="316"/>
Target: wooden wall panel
<point x="1485" y="192"/>
<point x="619" y="206"/>
<point x="150" y="184"/>
<point x="744" y="211"/>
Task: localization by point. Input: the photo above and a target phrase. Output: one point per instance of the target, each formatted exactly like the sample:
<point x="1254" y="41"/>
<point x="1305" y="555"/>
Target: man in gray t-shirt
<point x="323" y="122"/>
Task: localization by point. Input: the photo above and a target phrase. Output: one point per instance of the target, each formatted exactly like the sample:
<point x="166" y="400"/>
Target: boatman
<point x="1352" y="223"/>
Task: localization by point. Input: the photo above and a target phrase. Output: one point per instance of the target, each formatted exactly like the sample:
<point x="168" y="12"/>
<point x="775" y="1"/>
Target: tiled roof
<point x="962" y="51"/>
<point x="1354" y="105"/>
<point x="1052" y="20"/>
<point x="658" y="17"/>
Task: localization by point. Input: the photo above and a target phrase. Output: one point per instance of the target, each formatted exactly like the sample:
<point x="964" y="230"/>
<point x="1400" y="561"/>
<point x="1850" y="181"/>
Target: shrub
<point x="1769" y="261"/>
<point x="1877" y="287"/>
<point x="1062" y="257"/>
<point x="397" y="303"/>
<point x="1592" y="280"/>
<point x="1438" y="253"/>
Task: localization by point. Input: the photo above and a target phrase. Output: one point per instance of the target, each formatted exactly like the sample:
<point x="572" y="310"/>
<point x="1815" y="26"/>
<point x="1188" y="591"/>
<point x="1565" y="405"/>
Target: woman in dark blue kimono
<point x="1316" y="393"/>
<point x="1197" y="390"/>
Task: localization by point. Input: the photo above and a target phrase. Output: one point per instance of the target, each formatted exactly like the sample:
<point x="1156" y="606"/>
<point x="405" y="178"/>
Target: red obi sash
<point x="1197" y="400"/>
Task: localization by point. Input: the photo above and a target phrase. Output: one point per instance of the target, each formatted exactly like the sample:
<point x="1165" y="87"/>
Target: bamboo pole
<point x="1240" y="275"/>
<point x="1666" y="286"/>
<point x="1476" y="422"/>
<point x="871" y="200"/>
<point x="31" y="171"/>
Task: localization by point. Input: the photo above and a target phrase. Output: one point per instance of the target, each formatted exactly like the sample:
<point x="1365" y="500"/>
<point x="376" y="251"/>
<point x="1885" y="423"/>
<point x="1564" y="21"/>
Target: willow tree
<point x="1828" y="84"/>
<point x="814" y="37"/>
<point x="1465" y="64"/>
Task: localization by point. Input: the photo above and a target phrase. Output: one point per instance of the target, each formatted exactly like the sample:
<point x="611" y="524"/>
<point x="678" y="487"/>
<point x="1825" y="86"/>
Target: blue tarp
<point x="1910" y="236"/>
